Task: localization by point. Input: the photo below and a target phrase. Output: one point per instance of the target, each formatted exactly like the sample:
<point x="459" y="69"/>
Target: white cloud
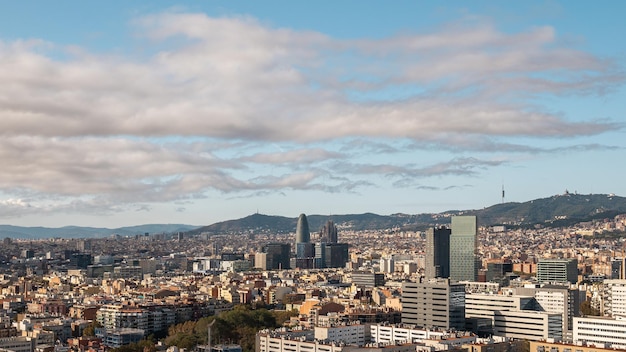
<point x="90" y="131"/>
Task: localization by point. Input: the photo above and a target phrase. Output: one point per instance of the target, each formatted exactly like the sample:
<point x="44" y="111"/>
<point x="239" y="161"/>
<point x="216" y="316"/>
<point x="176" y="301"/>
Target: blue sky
<point x="124" y="113"/>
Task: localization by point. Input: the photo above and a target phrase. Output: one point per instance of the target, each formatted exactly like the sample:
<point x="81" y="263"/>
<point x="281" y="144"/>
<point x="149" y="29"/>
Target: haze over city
<point x="124" y="113"/>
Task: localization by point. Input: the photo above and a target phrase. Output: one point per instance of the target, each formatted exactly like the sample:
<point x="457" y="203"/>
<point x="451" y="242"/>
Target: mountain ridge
<point x="558" y="210"/>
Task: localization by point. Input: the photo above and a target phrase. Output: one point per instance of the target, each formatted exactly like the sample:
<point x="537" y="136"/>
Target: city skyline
<point x="118" y="114"/>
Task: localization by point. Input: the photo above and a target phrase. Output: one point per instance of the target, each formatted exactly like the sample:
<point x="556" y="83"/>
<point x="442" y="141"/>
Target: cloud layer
<point x="232" y="105"/>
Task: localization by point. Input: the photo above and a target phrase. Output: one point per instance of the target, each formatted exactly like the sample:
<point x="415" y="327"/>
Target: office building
<point x="528" y="325"/>
<point x="331" y="255"/>
<point x="557" y="270"/>
<point x="336" y="255"/>
<point x="303" y="235"/>
<point x="497" y="271"/>
<point x="603" y="332"/>
<point x="464" y="263"/>
<point x="367" y="279"/>
<point x="555" y="299"/>
<point x="437" y="252"/>
<point x="277" y="255"/>
<point x="481" y="309"/>
<point x="434" y="303"/>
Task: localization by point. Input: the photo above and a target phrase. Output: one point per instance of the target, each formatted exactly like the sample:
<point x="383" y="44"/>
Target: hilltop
<point x="558" y="210"/>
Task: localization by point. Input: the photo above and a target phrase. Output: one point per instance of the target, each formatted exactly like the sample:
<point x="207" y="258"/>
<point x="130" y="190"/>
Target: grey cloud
<point x="458" y="166"/>
<point x="236" y="78"/>
<point x="108" y="133"/>
<point x="297" y="156"/>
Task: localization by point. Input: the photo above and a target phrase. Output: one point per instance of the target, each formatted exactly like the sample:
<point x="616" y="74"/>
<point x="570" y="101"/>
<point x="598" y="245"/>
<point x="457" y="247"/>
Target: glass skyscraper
<point x="464" y="263"/>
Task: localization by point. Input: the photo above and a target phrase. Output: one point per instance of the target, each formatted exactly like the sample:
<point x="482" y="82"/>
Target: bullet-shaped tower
<point x="303" y="235"/>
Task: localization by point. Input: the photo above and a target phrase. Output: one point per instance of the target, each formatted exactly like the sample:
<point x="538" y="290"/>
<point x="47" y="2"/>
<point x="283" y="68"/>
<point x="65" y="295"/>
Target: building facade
<point x="557" y="270"/>
<point x="437" y="252"/>
<point x="434" y="303"/>
<point x="464" y="263"/>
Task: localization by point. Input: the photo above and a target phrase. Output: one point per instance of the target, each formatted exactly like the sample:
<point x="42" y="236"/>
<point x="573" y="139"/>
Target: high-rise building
<point x="557" y="270"/>
<point x="277" y="255"/>
<point x="434" y="303"/>
<point x="438" y="252"/>
<point x="303" y="235"/>
<point x="464" y="263"/>
<point x="336" y="255"/>
<point x="329" y="232"/>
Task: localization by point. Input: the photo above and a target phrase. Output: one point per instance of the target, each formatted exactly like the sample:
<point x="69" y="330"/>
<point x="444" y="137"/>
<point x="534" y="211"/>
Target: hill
<point x="559" y="210"/>
<point x="88" y="232"/>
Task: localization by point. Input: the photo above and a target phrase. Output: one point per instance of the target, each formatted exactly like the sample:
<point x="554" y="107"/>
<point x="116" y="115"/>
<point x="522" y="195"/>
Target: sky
<point x="123" y="113"/>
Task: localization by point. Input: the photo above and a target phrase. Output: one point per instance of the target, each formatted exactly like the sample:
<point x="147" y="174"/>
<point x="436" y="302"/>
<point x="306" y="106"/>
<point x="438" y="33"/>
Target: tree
<point x="90" y="330"/>
<point x="238" y="325"/>
<point x="587" y="309"/>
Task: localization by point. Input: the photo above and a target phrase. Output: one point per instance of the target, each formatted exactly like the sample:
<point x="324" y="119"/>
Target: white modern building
<point x="599" y="331"/>
<point x="614" y="298"/>
<point x="402" y="334"/>
<point x="555" y="299"/>
<point x="528" y="325"/>
<point x="349" y="334"/>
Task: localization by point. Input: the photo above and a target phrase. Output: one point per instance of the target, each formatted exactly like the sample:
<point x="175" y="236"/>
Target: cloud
<point x="202" y="108"/>
<point x="457" y="166"/>
<point x="236" y="78"/>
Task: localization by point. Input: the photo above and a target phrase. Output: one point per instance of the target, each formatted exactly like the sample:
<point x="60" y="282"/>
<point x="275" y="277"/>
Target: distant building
<point x="464" y="263"/>
<point x="497" y="271"/>
<point x="557" y="270"/>
<point x="329" y="233"/>
<point x="118" y="337"/>
<point x="277" y="255"/>
<point x="367" y="279"/>
<point x="331" y="255"/>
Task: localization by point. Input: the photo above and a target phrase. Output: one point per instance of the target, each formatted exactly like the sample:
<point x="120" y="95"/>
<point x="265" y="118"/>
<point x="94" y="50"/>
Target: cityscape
<point x="457" y="285"/>
<point x="288" y="176"/>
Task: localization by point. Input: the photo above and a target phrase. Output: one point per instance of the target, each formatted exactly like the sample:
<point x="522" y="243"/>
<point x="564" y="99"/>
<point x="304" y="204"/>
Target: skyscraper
<point x="464" y="263"/>
<point x="277" y="255"/>
<point x="438" y="252"/>
<point x="303" y="235"/>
